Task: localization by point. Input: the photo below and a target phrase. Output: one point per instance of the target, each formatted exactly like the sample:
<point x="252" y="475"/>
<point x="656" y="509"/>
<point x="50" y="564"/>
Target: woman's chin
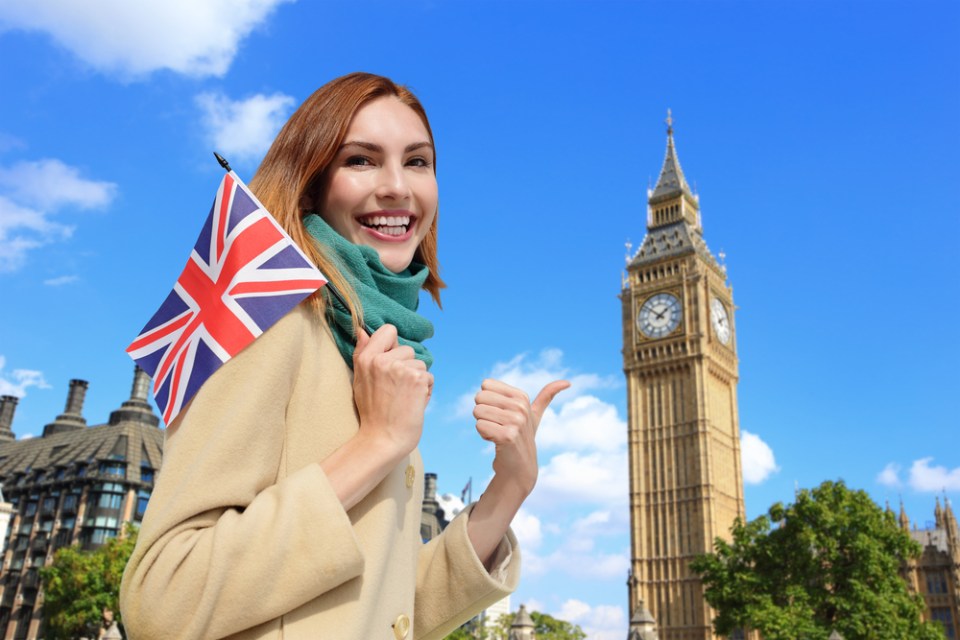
<point x="395" y="261"/>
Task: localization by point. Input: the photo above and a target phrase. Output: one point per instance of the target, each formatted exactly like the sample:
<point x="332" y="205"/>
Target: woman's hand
<point x="507" y="418"/>
<point x="391" y="389"/>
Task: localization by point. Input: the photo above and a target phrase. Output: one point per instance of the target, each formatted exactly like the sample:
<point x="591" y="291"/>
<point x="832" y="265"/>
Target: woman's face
<point x="381" y="190"/>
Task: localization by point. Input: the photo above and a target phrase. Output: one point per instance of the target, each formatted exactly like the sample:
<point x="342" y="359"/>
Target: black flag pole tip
<point x="223" y="161"/>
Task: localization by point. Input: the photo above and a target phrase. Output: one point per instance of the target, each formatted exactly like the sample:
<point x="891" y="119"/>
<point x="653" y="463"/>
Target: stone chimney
<point x="72" y="416"/>
<point x="8" y="404"/>
<point x="430" y="487"/>
<point x="75" y="398"/>
<point x="137" y="408"/>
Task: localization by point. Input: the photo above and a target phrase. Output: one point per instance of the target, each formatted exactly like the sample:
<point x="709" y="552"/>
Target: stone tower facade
<point x="935" y="575"/>
<point x="680" y="361"/>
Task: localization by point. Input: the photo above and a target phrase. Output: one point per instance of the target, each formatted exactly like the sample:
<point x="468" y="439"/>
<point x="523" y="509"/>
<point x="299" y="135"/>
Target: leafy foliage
<point x="829" y="561"/>
<point x="79" y="585"/>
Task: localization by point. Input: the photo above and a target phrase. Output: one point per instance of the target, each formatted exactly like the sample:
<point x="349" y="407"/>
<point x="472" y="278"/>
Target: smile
<point x="390" y="227"/>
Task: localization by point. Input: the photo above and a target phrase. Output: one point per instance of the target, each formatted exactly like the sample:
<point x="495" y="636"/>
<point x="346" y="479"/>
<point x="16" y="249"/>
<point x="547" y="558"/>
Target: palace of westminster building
<point x="79" y="484"/>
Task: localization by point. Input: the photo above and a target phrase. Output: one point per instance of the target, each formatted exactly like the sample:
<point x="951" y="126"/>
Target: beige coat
<point x="244" y="537"/>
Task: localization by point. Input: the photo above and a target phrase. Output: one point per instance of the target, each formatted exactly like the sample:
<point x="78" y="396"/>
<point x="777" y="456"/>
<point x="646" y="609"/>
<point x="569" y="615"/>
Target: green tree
<point x="79" y="585"/>
<point x="546" y="627"/>
<point x="830" y="560"/>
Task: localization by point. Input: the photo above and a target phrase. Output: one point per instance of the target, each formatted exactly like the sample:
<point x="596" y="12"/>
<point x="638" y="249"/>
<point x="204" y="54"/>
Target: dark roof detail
<point x="77" y="448"/>
<point x="672" y="240"/>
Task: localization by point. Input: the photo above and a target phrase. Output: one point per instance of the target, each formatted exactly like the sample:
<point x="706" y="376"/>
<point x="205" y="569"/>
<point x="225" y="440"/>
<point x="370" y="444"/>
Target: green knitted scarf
<point x="387" y="297"/>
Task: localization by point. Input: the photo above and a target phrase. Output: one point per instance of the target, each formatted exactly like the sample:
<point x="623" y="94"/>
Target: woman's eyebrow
<point x="373" y="147"/>
<point x="418" y="145"/>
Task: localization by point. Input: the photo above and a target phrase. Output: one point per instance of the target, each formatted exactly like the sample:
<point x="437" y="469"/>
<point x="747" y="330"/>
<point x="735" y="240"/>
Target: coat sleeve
<point x="452" y="583"/>
<point x="225" y="545"/>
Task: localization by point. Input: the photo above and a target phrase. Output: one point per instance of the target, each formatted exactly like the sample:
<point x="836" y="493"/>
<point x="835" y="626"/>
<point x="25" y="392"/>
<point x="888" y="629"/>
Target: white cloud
<point x="243" y="129"/>
<point x="923" y="477"/>
<point x="890" y="476"/>
<point x="50" y="184"/>
<point x="30" y="193"/>
<point x="451" y="505"/>
<point x="596" y="478"/>
<point x="583" y="423"/>
<point x="533" y="605"/>
<point x="757" y="458"/>
<point x="19" y="380"/>
<point x="581" y="565"/>
<point x="135" y="38"/>
<point x="578" y="553"/>
<point x="526" y="527"/>
<point x="600" y="622"/>
<point x="60" y="281"/>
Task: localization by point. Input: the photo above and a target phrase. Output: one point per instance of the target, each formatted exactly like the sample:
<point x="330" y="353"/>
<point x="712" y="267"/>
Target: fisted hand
<point x="391" y="389"/>
<point x="506" y="417"/>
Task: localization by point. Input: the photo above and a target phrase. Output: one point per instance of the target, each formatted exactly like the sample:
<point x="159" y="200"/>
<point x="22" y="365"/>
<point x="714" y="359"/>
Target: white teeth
<point x="388" y="225"/>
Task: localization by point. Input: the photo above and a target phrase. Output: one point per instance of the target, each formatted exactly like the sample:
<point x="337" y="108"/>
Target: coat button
<point x="411" y="474"/>
<point x="401" y="628"/>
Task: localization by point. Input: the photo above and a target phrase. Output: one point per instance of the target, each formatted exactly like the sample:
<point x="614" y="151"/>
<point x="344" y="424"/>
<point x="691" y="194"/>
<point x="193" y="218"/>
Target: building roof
<point x="136" y="443"/>
<point x="672" y="240"/>
<point x="63" y="453"/>
<point x="936" y="538"/>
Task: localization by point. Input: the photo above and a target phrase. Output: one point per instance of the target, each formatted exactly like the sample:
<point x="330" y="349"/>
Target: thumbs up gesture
<point x="506" y="417"/>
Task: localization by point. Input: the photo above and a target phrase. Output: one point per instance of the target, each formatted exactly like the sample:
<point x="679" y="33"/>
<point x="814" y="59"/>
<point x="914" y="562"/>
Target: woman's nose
<point x="393" y="183"/>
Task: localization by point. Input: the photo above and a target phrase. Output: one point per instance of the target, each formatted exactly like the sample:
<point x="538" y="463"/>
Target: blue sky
<point x="822" y="138"/>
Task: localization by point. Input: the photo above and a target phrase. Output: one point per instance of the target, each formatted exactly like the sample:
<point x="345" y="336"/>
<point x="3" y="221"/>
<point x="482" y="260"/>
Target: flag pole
<point x="332" y="289"/>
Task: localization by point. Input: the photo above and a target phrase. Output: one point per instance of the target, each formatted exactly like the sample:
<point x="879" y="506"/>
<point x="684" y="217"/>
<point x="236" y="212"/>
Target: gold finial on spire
<point x="669" y="122"/>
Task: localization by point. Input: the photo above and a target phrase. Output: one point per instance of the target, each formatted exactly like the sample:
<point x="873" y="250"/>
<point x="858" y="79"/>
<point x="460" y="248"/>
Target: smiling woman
<point x="289" y="500"/>
<point x="381" y="190"/>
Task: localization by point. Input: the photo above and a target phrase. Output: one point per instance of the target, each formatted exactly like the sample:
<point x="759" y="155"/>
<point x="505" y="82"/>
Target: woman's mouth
<point x="392" y="226"/>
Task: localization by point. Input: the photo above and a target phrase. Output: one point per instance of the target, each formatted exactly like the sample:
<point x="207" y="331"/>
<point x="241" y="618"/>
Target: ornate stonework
<point x="679" y="357"/>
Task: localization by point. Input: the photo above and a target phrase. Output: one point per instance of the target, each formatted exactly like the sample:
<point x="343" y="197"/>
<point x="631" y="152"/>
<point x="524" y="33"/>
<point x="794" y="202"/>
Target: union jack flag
<point x="243" y="275"/>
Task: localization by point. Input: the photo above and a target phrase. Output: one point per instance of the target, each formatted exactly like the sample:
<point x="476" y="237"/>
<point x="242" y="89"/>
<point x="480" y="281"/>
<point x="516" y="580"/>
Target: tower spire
<point x="671" y="181"/>
<point x="904" y="520"/>
<point x="672" y="201"/>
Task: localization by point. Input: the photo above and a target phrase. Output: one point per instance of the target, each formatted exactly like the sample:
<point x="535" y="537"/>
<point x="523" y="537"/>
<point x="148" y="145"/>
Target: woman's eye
<point x="418" y="162"/>
<point x="358" y="161"/>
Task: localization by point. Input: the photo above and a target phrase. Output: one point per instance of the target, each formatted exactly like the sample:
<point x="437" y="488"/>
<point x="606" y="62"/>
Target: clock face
<point x="720" y="320"/>
<point x="659" y="315"/>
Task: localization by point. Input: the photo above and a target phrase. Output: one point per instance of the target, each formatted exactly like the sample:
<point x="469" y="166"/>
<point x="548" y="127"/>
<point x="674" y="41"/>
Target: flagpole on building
<point x="332" y="289"/>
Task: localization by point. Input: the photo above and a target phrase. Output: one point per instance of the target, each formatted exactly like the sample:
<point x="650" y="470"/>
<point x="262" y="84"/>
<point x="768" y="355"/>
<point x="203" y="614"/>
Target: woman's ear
<point x="306" y="202"/>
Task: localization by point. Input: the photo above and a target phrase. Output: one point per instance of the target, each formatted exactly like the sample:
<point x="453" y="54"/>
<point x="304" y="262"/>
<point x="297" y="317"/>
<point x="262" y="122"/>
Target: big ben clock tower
<point x="680" y="361"/>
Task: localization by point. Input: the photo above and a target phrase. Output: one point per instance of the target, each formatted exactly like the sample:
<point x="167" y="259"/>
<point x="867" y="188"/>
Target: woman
<point x="289" y="501"/>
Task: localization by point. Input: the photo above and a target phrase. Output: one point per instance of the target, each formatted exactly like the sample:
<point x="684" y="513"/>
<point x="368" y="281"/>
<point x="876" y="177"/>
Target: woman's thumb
<point x="546" y="396"/>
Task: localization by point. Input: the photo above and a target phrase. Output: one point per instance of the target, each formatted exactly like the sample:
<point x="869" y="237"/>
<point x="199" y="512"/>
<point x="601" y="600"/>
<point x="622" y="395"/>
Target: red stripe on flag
<point x="174" y="387"/>
<point x="220" y="322"/>
<point x="224" y="217"/>
<point x="160" y="332"/>
<point x="268" y="287"/>
<point x="175" y="349"/>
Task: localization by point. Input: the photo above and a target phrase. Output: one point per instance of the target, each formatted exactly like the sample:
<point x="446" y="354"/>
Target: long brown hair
<point x="296" y="165"/>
